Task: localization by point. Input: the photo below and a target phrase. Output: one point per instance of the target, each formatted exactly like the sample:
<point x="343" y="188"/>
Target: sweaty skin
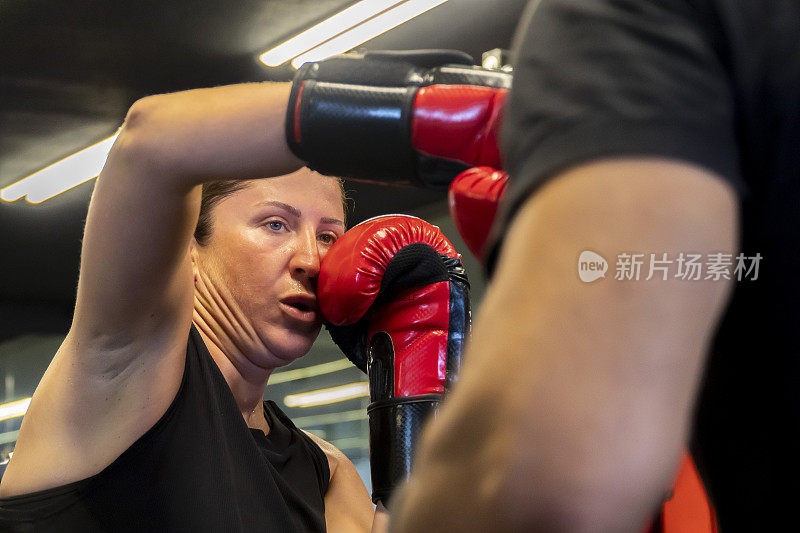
<point x="262" y="255"/>
<point x="143" y="279"/>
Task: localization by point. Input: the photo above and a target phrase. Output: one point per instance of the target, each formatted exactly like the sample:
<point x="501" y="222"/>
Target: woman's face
<point x="262" y="260"/>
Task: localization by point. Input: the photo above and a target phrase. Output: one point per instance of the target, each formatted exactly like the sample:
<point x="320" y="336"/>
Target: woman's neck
<point x="245" y="379"/>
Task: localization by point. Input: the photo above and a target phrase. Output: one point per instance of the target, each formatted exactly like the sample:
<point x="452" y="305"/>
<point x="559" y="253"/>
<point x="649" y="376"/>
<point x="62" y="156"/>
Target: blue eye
<point x="275" y="225"/>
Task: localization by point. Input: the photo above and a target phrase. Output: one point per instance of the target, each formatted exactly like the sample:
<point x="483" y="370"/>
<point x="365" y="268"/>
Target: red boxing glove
<point x="688" y="509"/>
<point x="459" y="122"/>
<point x="415" y="117"/>
<point x="396" y="300"/>
<point x="474" y="196"/>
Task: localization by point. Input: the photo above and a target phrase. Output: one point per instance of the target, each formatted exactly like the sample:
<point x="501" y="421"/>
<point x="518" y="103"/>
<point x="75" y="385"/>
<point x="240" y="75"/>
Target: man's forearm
<point x="575" y="398"/>
<point x="233" y="131"/>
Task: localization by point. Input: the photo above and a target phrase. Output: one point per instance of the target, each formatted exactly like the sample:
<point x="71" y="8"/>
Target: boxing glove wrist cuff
<point x="356" y="131"/>
<point x="394" y="428"/>
<point x="351" y="115"/>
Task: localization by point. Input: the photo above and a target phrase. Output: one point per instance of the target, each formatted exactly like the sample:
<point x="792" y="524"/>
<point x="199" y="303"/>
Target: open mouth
<point x="304" y="308"/>
<point x="300" y="307"/>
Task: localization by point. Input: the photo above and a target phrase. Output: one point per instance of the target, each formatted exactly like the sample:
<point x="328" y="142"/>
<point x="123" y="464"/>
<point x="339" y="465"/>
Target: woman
<point x="150" y="415"/>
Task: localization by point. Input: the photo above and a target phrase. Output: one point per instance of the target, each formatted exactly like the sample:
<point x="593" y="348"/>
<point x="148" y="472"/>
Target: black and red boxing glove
<point x="395" y="298"/>
<point x="416" y="117"/>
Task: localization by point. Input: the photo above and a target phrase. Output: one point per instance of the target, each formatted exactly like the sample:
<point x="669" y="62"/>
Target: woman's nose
<point x="306" y="257"/>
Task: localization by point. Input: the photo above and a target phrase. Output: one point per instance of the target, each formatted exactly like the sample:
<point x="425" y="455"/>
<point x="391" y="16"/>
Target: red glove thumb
<point x="474" y="196"/>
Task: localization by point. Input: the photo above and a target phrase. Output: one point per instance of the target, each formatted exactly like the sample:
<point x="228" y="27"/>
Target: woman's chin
<point x="291" y="344"/>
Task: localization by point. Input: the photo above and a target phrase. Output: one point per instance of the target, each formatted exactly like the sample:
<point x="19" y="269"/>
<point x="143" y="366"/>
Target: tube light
<point x="351" y="443"/>
<point x="330" y="27"/>
<point x="8" y="436"/>
<point x="330" y="418"/>
<point x="366" y="31"/>
<point x="14" y="409"/>
<point x="62" y="175"/>
<point x="310" y="371"/>
<point x="326" y="396"/>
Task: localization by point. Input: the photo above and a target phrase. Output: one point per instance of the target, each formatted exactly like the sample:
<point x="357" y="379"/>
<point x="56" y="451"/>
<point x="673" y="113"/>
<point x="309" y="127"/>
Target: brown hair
<point x="215" y="191"/>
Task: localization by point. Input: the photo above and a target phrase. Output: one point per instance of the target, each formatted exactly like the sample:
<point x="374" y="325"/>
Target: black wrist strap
<point x="355" y="131"/>
<point x="351" y="115"/>
<point x="394" y="429"/>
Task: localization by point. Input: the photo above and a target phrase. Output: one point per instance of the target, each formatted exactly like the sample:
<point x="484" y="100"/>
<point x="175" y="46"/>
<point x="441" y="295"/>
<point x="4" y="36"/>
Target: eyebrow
<point x="326" y="220"/>
<point x="296" y="212"/>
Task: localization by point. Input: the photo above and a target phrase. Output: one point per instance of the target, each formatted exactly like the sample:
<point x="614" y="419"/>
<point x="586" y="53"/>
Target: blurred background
<point x="69" y="71"/>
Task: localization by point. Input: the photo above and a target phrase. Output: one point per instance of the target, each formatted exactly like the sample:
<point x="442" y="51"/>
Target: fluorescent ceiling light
<point x="8" y="436"/>
<point x="310" y="371"/>
<point x="326" y="396"/>
<point x="321" y="433"/>
<point x="351" y="443"/>
<point x="326" y="29"/>
<point x="330" y="418"/>
<point x="14" y="409"/>
<point x="61" y="175"/>
<point x="368" y="30"/>
<point x="313" y="44"/>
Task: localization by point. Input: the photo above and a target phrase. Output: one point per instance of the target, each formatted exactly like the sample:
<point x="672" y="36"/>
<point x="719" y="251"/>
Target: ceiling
<point x="70" y="70"/>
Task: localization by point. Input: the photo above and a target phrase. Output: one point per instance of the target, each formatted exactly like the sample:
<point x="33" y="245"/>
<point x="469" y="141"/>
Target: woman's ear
<point x="194" y="256"/>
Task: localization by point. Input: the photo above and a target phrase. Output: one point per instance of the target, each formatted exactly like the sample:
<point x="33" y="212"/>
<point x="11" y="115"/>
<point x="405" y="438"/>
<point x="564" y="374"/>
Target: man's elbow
<point x="619" y="496"/>
<point x="559" y="464"/>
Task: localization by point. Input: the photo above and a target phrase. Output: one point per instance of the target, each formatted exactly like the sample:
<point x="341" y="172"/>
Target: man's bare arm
<point x="576" y="398"/>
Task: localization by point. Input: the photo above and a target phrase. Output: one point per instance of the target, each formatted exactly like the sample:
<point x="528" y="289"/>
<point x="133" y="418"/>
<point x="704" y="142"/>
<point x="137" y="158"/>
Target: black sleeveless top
<point x="199" y="468"/>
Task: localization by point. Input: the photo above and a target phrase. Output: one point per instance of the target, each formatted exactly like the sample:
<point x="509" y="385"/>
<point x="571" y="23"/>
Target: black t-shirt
<point x="199" y="468"/>
<point x="715" y="83"/>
